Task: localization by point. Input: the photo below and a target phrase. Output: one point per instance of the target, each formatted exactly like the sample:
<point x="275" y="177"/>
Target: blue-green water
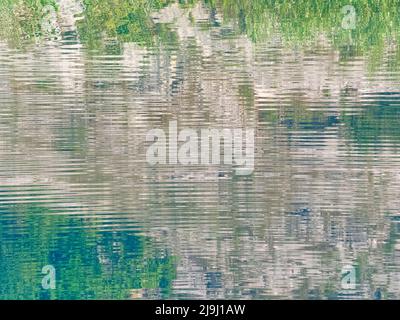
<point x="77" y="193"/>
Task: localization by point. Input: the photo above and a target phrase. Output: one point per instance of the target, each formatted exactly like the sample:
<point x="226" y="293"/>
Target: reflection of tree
<point x="22" y="19"/>
<point x="91" y="263"/>
<point x="378" y="121"/>
<point x="304" y="20"/>
<point x="127" y="21"/>
<point x="297" y="23"/>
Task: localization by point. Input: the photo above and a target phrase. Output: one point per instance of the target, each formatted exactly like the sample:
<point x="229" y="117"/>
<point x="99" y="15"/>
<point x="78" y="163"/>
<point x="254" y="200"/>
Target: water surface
<point x="77" y="193"/>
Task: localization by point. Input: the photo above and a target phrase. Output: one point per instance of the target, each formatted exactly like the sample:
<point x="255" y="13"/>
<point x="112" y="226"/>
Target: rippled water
<point x="77" y="193"/>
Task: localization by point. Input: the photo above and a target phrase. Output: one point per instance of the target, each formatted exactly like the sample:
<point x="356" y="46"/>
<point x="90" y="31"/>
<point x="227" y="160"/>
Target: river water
<point x="77" y="193"/>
